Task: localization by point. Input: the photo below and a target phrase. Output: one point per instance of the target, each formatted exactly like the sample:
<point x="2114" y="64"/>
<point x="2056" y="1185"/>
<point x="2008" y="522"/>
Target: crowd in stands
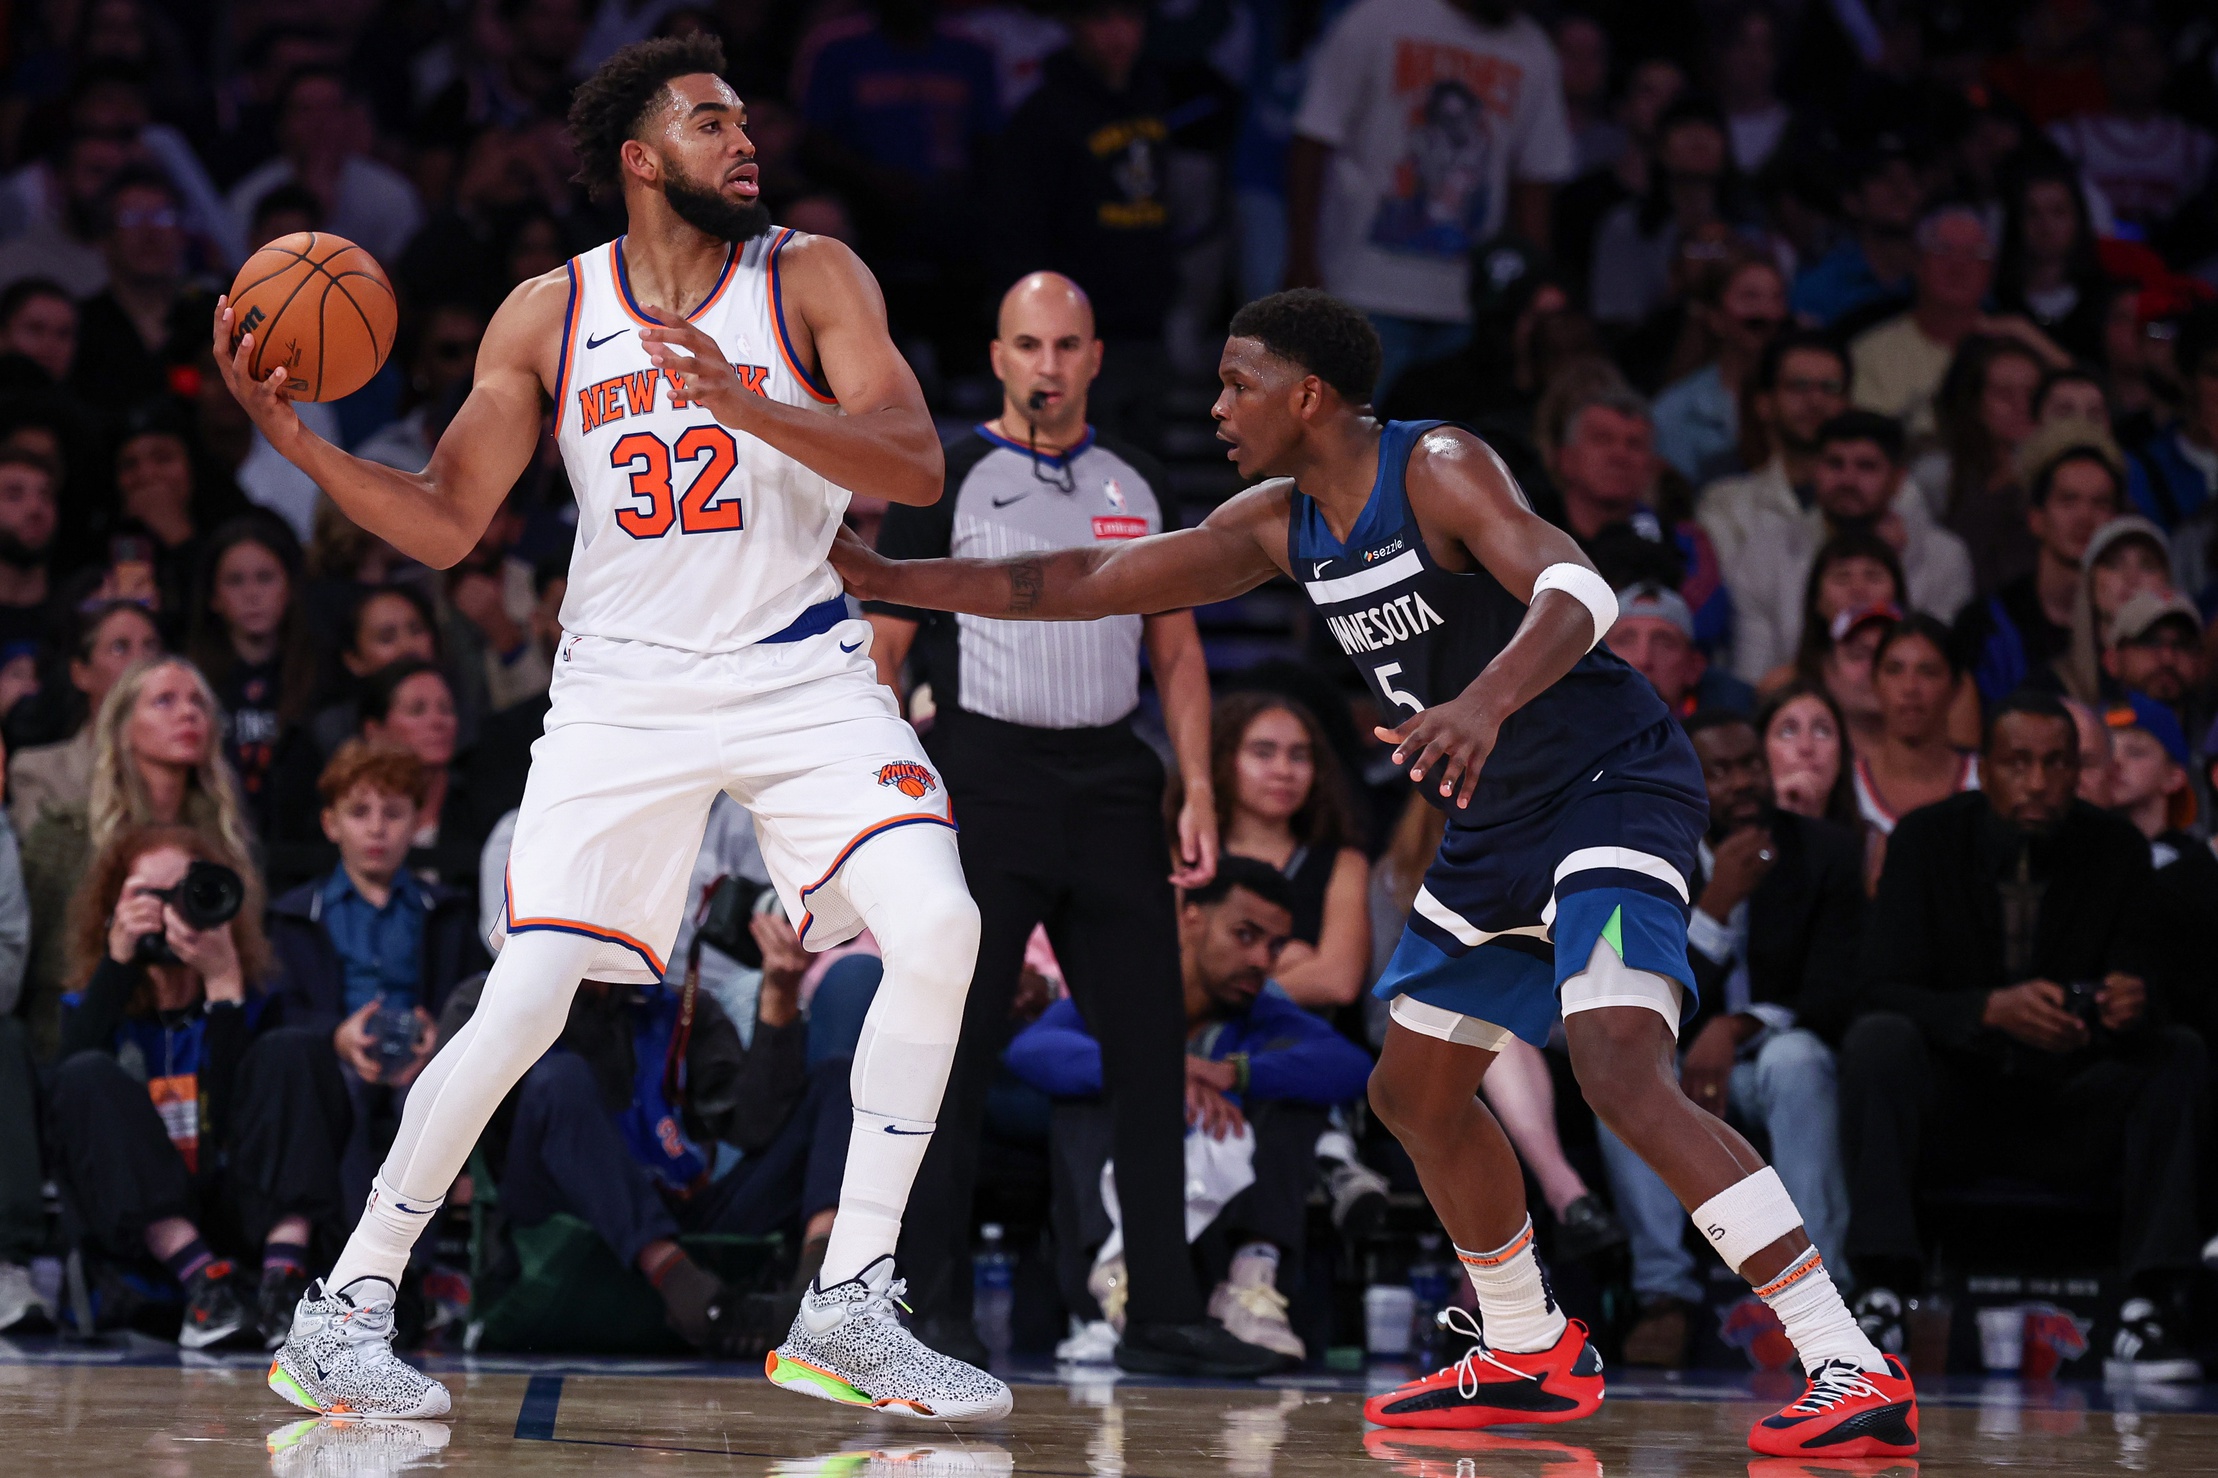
<point x="1869" y="349"/>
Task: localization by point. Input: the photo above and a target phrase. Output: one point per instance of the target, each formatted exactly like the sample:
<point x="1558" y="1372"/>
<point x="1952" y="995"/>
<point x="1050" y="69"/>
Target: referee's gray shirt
<point x="1002" y="499"/>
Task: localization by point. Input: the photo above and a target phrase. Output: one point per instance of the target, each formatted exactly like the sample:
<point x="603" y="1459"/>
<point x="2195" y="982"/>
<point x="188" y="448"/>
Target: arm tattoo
<point x="1027" y="580"/>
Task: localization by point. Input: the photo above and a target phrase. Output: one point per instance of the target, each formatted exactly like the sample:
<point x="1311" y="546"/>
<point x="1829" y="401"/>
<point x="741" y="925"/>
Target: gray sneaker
<point x="339" y="1357"/>
<point x="848" y="1345"/>
<point x="19" y="1296"/>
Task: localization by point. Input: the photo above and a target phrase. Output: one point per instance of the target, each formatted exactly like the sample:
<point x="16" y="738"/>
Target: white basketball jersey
<point x="690" y="534"/>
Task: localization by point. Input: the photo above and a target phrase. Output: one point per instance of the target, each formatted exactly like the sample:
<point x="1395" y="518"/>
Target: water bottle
<point x="993" y="1291"/>
<point x="1429" y="1286"/>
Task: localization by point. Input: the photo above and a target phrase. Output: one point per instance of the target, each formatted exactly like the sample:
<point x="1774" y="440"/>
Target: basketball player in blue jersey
<point x="1575" y="809"/>
<point x="717" y="386"/>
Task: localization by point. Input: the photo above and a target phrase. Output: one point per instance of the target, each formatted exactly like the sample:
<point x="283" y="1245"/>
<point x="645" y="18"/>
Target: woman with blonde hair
<point x="157" y="758"/>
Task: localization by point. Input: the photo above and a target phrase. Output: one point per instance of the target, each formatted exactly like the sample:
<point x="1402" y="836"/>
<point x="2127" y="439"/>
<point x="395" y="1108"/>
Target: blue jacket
<point x="1291" y="1053"/>
<point x="311" y="986"/>
<point x="2163" y="485"/>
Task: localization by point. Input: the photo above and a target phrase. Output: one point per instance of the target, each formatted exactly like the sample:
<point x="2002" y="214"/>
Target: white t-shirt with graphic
<point x="1431" y="116"/>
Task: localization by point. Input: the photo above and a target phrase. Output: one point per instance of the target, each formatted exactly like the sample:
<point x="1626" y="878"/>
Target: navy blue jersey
<point x="1421" y="633"/>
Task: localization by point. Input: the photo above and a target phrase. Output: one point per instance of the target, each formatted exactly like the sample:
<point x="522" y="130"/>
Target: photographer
<point x="186" y="1125"/>
<point x="368" y="952"/>
<point x="2010" y="1032"/>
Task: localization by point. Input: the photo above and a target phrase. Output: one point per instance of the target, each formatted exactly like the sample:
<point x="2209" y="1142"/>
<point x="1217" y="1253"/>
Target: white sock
<point x="907" y="884"/>
<point x="1516" y="1307"/>
<point x="519" y="1016"/>
<point x="1816" y="1319"/>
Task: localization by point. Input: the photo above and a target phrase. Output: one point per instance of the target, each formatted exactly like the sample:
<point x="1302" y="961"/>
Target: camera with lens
<point x="207" y="897"/>
<point x="2083" y="998"/>
<point x="394" y="1032"/>
<point x="732" y="908"/>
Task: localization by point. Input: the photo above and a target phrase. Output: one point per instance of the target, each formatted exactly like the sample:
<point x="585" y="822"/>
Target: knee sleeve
<point x="908" y="887"/>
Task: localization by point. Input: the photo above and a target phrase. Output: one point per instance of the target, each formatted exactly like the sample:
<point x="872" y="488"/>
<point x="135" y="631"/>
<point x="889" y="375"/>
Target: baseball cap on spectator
<point x="2143" y="613"/>
<point x="2158" y="722"/>
<point x="1850" y="621"/>
<point x="2125" y="526"/>
<point x="2072" y="437"/>
<point x="1646" y="600"/>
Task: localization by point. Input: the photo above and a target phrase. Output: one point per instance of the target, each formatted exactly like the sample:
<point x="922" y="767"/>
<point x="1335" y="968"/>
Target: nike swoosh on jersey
<point x="1005" y="502"/>
<point x="858" y="646"/>
<point x="592" y="343"/>
<point x="1317" y="569"/>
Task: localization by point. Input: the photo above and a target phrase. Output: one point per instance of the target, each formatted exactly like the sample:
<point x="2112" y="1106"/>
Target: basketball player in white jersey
<point x="717" y="386"/>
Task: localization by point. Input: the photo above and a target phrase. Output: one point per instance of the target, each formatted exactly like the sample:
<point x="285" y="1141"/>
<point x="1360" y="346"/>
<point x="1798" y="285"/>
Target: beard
<point x="17" y="555"/>
<point x="708" y="211"/>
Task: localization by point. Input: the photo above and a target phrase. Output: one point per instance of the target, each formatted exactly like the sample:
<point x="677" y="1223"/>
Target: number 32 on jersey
<point x="703" y="509"/>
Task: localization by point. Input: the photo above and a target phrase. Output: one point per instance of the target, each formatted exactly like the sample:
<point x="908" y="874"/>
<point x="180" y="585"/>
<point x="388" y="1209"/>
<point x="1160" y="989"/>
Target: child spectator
<point x="182" y="1113"/>
<point x="157" y="759"/>
<point x="2149" y="783"/>
<point x="370" y="936"/>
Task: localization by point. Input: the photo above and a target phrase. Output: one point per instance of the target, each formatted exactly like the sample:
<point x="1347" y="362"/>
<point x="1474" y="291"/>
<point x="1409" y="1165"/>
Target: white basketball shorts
<point x="639" y="740"/>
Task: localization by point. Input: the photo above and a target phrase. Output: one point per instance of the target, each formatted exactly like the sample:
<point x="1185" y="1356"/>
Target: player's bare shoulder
<point x="526" y="333"/>
<point x="1258" y="513"/>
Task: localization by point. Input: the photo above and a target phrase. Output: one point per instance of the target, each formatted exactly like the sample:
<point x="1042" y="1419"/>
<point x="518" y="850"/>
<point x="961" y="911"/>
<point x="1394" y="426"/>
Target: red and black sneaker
<point x="1457" y="1455"/>
<point x="1489" y="1388"/>
<point x="1845" y="1412"/>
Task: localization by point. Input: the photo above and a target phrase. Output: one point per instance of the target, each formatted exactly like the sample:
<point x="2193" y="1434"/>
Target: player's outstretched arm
<point x="886" y="444"/>
<point x="1235" y="549"/>
<point x="1457" y="484"/>
<point x="436" y="515"/>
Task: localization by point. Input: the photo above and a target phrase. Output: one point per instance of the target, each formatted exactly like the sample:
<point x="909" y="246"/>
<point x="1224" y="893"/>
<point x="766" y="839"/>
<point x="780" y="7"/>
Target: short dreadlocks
<point x="608" y="106"/>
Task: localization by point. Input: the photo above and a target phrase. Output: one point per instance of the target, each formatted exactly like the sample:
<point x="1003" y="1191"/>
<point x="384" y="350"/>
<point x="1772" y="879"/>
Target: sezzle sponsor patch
<point x="1110" y="526"/>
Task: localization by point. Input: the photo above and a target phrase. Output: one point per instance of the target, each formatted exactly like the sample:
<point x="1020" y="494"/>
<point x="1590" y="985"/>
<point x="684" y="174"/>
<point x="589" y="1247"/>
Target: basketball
<point x="319" y="305"/>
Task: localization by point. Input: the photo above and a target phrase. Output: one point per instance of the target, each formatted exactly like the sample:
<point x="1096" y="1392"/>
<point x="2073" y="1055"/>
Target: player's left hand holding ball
<point x="697" y="369"/>
<point x="1458" y="735"/>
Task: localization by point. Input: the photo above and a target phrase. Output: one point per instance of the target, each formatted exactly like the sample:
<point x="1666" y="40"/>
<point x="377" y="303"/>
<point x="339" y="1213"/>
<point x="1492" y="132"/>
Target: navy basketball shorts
<point x="1513" y="909"/>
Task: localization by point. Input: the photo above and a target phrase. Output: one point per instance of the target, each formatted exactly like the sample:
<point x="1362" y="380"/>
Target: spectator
<point x="622" y="1123"/>
<point x="1655" y="633"/>
<point x="1915" y="679"/>
<point x="1692" y="189"/>
<point x="2126" y="557"/>
<point x="389" y="624"/>
<point x="183" y="1112"/>
<point x="157" y="761"/>
<point x="441" y="353"/>
<point x="1583" y="56"/>
<point x="1286" y="804"/>
<point x="28" y="515"/>
<point x="1650" y="87"/>
<point x="320" y="123"/>
<point x="369" y="938"/>
<point x="22" y="1203"/>
<point x="149" y="317"/>
<point x="1698" y="416"/>
<point x="2075" y="487"/>
<point x="1971" y="482"/>
<point x="2048" y="272"/>
<point x="2073" y="393"/>
<point x="1806" y="754"/>
<point x="1800" y="383"/>
<point x="1523" y="329"/>
<point x="1083" y="183"/>
<point x="108" y="640"/>
<point x="1777" y="910"/>
<point x="410" y="704"/>
<point x="249" y="634"/>
<point x="2149" y="776"/>
<point x="2009" y="1030"/>
<point x="1260" y="1075"/>
<point x="2175" y="472"/>
<point x="168" y="497"/>
<point x="490" y="591"/>
<point x="1745" y="61"/>
<point x="62" y="243"/>
<point x="2146" y="161"/>
<point x="1397" y="173"/>
<point x="1871" y="265"/>
<point x="2156" y="652"/>
<point x="38" y="324"/>
<point x="1898" y="365"/>
<point x="1859" y="489"/>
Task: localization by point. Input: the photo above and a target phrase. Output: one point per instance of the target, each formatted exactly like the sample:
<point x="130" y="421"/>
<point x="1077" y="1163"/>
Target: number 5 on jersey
<point x="647" y="457"/>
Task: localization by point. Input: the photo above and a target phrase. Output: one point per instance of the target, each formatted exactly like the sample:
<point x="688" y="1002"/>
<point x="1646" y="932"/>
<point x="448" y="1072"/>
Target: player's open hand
<point x="696" y="368"/>
<point x="858" y="566"/>
<point x="1448" y="743"/>
<point x="265" y="399"/>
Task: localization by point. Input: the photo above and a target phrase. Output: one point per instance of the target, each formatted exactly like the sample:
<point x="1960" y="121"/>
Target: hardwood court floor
<point x="65" y="1413"/>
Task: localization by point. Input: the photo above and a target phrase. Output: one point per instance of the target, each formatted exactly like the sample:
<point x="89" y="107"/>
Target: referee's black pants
<point x="1064" y="827"/>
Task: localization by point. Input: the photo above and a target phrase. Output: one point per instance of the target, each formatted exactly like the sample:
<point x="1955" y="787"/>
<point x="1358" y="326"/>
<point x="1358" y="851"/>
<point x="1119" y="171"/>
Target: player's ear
<point x="640" y="162"/>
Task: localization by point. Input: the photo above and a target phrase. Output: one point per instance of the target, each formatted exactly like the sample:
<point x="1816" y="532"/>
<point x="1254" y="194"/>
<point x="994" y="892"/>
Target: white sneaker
<point x="1109" y="1285"/>
<point x="848" y="1345"/>
<point x="1252" y="1310"/>
<point x="321" y="1446"/>
<point x="19" y="1296"/>
<point x="1091" y="1342"/>
<point x="339" y="1357"/>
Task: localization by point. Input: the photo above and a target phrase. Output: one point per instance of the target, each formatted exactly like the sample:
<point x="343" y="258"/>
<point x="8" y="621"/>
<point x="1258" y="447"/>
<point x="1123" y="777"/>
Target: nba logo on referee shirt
<point x="1113" y="493"/>
<point x="908" y="777"/>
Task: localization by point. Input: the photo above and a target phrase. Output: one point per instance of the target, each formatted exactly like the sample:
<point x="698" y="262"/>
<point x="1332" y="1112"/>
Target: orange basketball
<point x="319" y="305"/>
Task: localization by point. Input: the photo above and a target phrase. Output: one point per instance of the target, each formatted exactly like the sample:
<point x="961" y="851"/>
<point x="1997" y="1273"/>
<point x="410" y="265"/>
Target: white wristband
<point x="1588" y="589"/>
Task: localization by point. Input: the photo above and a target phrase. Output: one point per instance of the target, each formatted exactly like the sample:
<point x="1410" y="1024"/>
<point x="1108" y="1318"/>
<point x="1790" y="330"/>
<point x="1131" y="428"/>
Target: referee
<point x="1061" y="807"/>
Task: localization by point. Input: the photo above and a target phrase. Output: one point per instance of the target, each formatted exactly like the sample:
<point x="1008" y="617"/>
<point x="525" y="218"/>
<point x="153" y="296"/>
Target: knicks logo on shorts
<point x="910" y="778"/>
